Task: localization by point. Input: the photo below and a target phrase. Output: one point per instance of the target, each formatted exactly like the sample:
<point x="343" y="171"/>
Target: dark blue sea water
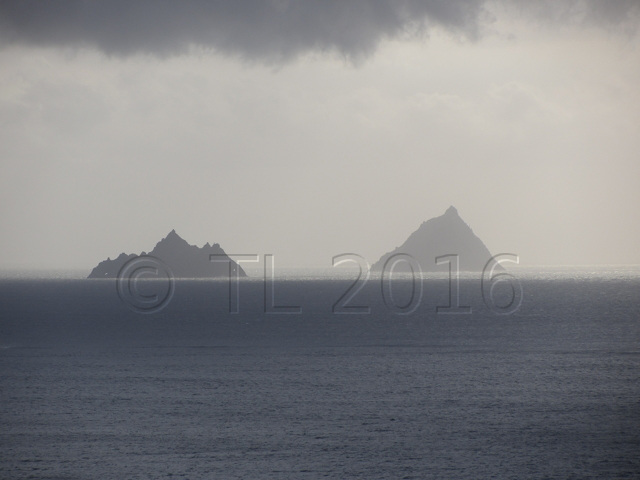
<point x="90" y="389"/>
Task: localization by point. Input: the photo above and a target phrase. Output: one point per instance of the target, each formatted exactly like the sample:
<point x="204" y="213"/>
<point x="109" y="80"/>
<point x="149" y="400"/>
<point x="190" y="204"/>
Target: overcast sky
<point x="313" y="128"/>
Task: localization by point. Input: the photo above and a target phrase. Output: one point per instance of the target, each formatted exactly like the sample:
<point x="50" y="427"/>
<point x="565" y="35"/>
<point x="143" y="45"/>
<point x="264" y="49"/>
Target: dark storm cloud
<point x="252" y="28"/>
<point x="276" y="29"/>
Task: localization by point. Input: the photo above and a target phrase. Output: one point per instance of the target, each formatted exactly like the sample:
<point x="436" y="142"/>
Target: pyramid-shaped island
<point x="447" y="234"/>
<point x="184" y="260"/>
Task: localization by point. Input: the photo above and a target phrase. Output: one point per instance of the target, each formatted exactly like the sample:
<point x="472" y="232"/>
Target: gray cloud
<point x="602" y="13"/>
<point x="277" y="29"/>
<point x="271" y="29"/>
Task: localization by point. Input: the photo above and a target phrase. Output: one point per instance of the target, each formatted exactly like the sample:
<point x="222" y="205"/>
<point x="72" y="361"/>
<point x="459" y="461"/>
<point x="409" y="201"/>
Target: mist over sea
<point x="91" y="389"/>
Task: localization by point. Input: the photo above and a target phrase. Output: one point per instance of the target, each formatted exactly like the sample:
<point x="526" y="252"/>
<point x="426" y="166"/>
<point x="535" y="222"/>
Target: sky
<point x="309" y="129"/>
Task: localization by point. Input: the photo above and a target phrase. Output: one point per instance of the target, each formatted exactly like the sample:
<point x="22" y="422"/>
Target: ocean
<point x="313" y="378"/>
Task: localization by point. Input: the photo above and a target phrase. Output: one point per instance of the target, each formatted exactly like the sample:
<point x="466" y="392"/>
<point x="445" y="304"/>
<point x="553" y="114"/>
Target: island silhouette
<point x="445" y="235"/>
<point x="184" y="260"/>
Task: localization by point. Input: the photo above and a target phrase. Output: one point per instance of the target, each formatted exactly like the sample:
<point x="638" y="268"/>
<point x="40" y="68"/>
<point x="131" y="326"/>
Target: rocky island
<point x="444" y="235"/>
<point x="184" y="260"/>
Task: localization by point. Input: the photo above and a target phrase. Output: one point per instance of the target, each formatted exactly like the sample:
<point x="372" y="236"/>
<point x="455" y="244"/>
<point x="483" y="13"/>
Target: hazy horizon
<point x="314" y="129"/>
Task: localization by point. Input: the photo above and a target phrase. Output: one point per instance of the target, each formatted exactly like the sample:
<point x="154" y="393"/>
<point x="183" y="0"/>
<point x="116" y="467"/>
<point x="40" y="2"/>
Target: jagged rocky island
<point x="444" y="235"/>
<point x="447" y="234"/>
<point x="185" y="260"/>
